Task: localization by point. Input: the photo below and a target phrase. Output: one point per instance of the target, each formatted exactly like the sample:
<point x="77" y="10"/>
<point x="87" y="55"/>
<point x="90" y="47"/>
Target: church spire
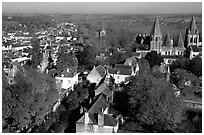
<point x="192" y="26"/>
<point x="179" y="42"/>
<point x="156" y="28"/>
<point x="167" y="41"/>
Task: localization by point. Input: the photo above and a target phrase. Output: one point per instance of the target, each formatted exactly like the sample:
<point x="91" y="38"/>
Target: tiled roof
<point x="156" y="28"/>
<point x="131" y="61"/>
<point x="103" y="88"/>
<point x="98" y="105"/>
<point x="119" y="71"/>
<point x="121" y="66"/>
<point x="101" y="70"/>
<point x="66" y="74"/>
<point x="108" y="119"/>
<point x="95" y="110"/>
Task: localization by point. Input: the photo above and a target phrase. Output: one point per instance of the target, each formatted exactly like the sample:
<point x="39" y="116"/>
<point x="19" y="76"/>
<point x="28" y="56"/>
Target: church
<point x="171" y="47"/>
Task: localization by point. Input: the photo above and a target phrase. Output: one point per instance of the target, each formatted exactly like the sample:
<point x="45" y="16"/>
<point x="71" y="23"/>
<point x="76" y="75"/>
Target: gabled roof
<point x="131" y="61"/>
<point x="66" y="74"/>
<point x="97" y="71"/>
<point x="103" y="88"/>
<point x="119" y="71"/>
<point x="179" y="42"/>
<point x="108" y="120"/>
<point x="95" y="110"/>
<point x="101" y="70"/>
<point x="192" y="26"/>
<point x="121" y="66"/>
<point x="156" y="28"/>
<point x="98" y="105"/>
<point x="167" y="41"/>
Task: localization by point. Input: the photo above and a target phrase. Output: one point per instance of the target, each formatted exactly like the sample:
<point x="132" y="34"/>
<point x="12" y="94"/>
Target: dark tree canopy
<point x="154" y="58"/>
<point x="35" y="53"/>
<point x="144" y="66"/>
<point x="86" y="57"/>
<point x="192" y="65"/>
<point x="66" y="60"/>
<point x="153" y="103"/>
<point x="26" y="102"/>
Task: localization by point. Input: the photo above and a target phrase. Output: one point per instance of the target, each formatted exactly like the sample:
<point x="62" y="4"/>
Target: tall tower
<point x="192" y="35"/>
<point x="156" y="36"/>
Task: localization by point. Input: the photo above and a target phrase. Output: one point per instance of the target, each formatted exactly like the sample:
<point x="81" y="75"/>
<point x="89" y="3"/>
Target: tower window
<point x="156" y="38"/>
<point x="195" y="41"/>
<point x="191" y="40"/>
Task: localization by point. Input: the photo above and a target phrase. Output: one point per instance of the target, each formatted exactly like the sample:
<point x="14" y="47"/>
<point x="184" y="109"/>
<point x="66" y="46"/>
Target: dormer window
<point x="62" y="75"/>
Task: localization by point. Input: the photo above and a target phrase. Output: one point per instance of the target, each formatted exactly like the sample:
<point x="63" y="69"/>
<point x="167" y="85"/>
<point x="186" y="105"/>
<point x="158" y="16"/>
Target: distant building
<point x="192" y="41"/>
<point x="170" y="48"/>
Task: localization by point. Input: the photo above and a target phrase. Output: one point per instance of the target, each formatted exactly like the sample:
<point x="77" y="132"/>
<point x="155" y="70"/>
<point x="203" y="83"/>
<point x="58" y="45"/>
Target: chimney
<point x="100" y="118"/>
<point x="86" y="117"/>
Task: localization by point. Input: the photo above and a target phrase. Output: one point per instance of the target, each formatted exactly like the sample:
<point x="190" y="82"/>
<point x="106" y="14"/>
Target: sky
<point x="102" y="7"/>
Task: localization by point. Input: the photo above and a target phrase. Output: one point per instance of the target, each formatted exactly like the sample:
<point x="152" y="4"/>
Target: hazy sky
<point x="102" y="7"/>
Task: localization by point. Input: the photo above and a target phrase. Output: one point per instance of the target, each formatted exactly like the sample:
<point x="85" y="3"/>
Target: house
<point x="132" y="61"/>
<point x="67" y="79"/>
<point x="97" y="119"/>
<point x="96" y="74"/>
<point x="103" y="88"/>
<point x="121" y="73"/>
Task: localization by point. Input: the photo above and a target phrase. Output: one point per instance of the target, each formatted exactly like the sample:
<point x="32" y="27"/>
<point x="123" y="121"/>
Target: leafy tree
<point x="152" y="102"/>
<point x="35" y="53"/>
<point x="154" y="58"/>
<point x="27" y="101"/>
<point x="195" y="66"/>
<point x="66" y="60"/>
<point x="86" y="58"/>
<point x="181" y="77"/>
<point x="144" y="66"/>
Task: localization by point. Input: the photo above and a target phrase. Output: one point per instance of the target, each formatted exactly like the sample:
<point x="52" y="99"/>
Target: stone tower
<point x="156" y="36"/>
<point x="192" y="35"/>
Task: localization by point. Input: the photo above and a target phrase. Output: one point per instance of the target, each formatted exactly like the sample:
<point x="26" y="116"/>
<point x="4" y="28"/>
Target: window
<point x="118" y="77"/>
<point x="156" y="38"/>
<point x="166" y="53"/>
<point x="169" y="53"/>
<point x="195" y="41"/>
<point x="191" y="40"/>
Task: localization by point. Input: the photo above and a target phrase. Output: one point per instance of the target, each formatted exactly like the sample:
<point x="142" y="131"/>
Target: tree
<point x="66" y="60"/>
<point x="27" y="101"/>
<point x="144" y="66"/>
<point x="154" y="58"/>
<point x="35" y="53"/>
<point x="181" y="77"/>
<point x="195" y="66"/>
<point x="152" y="102"/>
<point x="181" y="63"/>
<point x="86" y="58"/>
